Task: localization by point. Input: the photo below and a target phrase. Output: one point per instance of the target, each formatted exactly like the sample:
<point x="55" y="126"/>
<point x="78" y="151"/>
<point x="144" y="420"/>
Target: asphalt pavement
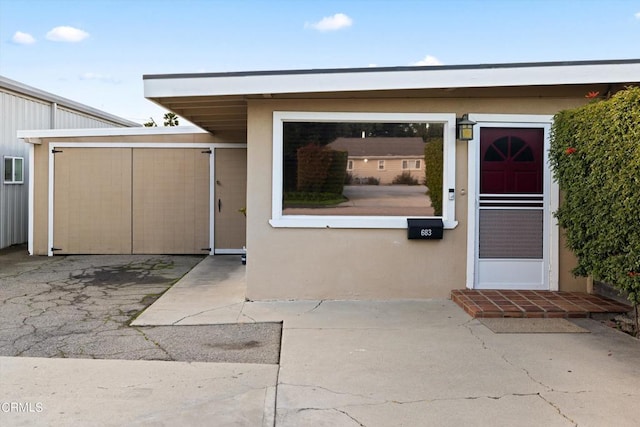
<point x="81" y="307"/>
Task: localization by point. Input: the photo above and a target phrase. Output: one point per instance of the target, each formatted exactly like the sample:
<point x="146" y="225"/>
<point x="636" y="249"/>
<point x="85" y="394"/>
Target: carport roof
<point x="218" y="101"/>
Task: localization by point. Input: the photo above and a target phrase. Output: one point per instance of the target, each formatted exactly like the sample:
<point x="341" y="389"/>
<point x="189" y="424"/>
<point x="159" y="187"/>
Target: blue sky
<point x="96" y="51"/>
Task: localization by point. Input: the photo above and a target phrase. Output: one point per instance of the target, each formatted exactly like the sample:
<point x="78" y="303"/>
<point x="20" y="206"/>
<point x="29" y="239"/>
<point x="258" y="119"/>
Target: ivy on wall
<point x="595" y="157"/>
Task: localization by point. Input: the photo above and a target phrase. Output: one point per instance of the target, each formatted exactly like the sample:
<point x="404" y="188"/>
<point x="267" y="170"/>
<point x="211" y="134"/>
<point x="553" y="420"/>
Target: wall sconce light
<point x="465" y="128"/>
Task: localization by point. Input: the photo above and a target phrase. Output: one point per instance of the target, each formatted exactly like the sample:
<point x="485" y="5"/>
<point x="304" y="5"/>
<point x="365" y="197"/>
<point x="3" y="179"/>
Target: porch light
<point x="465" y="128"/>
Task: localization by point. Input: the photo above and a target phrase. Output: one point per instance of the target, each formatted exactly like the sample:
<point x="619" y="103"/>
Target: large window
<point x="13" y="170"/>
<point x="361" y="170"/>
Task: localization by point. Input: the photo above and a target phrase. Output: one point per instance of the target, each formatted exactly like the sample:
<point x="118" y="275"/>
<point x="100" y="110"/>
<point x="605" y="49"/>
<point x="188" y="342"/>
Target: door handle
<point x="219" y="205"/>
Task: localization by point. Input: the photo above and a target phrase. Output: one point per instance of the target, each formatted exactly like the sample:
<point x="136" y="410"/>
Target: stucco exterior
<point x="302" y="256"/>
<point x="373" y="263"/>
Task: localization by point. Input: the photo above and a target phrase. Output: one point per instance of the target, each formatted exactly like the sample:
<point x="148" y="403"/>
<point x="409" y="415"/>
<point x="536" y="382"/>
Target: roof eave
<point x="400" y="78"/>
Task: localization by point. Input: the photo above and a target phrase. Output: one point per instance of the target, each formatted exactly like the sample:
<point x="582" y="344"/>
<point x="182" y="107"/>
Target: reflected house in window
<point x="384" y="158"/>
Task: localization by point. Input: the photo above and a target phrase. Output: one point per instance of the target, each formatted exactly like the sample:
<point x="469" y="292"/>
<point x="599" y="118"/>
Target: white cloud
<point x="67" y="34"/>
<point x="637" y="15"/>
<point x="428" y="60"/>
<point x="105" y="78"/>
<point x="331" y="23"/>
<point x="22" y="38"/>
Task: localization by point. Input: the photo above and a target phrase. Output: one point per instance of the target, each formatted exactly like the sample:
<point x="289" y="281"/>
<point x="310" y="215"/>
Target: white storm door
<point x="512" y="211"/>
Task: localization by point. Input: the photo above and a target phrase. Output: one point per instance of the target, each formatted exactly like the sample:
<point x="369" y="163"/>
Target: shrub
<point x="348" y="178"/>
<point x="595" y="157"/>
<point x="433" y="158"/>
<point x="368" y="180"/>
<point x="314" y="163"/>
<point x="337" y="172"/>
<point x="405" y="178"/>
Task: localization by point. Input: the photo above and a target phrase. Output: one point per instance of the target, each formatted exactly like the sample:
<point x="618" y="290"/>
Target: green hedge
<point x="434" y="173"/>
<point x="337" y="173"/>
<point x="314" y="162"/>
<point x="320" y="170"/>
<point x="595" y="157"/>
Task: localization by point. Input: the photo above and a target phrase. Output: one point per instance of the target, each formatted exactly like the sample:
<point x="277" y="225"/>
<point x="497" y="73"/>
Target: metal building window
<point x="13" y="170"/>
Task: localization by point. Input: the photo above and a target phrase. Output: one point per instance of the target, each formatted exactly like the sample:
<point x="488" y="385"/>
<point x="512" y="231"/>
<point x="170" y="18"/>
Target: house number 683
<point x="426" y="232"/>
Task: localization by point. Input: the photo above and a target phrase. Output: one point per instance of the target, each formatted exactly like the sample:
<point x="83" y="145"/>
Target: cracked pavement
<point x="409" y="363"/>
<point x="343" y="363"/>
<point x="81" y="307"/>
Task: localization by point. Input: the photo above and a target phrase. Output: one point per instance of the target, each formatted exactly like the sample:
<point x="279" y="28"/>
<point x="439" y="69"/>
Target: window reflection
<point x="361" y="168"/>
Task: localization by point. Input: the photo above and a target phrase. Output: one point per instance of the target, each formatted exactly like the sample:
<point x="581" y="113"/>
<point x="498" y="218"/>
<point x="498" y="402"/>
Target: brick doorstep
<point x="534" y="304"/>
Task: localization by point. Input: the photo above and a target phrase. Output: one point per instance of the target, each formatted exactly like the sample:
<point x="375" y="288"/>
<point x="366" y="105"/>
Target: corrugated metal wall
<point x="16" y="113"/>
<point x="20" y="112"/>
<point x="69" y="119"/>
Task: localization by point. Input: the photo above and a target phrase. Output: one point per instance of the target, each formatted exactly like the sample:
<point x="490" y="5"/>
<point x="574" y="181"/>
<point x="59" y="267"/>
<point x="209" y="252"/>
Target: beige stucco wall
<point x="41" y="171"/>
<point x="299" y="263"/>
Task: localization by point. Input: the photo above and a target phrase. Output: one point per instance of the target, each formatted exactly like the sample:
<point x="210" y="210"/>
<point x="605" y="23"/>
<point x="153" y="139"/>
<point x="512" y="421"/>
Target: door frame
<point x="550" y="191"/>
<point x="168" y="145"/>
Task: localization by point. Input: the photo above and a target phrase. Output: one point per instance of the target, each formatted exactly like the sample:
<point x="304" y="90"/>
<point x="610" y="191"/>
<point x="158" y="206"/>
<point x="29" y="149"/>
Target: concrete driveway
<point x="342" y="363"/>
<point x="405" y="200"/>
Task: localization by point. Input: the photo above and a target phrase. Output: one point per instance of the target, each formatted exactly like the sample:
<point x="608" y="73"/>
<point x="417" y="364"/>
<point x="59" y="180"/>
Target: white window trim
<point x="13" y="170"/>
<point x="350" y="165"/>
<point x="412" y="164"/>
<point x="330" y="221"/>
<point x="381" y="165"/>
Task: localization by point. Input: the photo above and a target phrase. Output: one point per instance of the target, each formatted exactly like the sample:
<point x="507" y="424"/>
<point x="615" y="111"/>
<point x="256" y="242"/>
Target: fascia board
<point x="427" y="78"/>
<point x="62" y="133"/>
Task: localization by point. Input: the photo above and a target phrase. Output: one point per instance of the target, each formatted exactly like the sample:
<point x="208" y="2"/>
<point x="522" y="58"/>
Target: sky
<point x="96" y="51"/>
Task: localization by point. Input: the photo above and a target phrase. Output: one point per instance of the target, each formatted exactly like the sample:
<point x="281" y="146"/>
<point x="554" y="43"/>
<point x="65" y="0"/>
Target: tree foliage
<point x="150" y="124"/>
<point x="595" y="157"/>
<point x="169" y="120"/>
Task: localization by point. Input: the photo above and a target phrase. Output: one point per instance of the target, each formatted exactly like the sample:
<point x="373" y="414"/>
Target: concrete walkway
<point x="343" y="363"/>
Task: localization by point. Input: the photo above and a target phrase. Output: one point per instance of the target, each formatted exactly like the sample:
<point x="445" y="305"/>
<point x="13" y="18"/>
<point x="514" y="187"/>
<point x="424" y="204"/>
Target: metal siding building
<point x="25" y="108"/>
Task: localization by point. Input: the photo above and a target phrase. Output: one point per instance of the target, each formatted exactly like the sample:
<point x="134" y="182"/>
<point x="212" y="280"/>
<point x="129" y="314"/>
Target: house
<point x="383" y="158"/>
<point x="498" y="195"/>
<point x="25" y="107"/>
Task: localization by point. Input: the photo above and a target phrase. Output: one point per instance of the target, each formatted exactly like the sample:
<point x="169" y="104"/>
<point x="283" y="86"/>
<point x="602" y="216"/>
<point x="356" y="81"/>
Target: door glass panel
<point x="525" y="155"/>
<point x="502" y="145"/>
<point x="516" y="146"/>
<point x="493" y="155"/>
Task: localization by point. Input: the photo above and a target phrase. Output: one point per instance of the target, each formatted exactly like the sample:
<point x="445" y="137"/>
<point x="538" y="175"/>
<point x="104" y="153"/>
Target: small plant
<point x="348" y="178"/>
<point x="405" y="178"/>
<point x="368" y="180"/>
